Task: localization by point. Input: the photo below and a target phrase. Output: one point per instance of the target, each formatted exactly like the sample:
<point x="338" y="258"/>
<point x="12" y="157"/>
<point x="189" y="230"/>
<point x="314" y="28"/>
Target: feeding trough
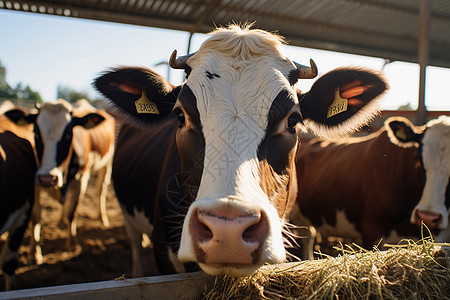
<point x="405" y="271"/>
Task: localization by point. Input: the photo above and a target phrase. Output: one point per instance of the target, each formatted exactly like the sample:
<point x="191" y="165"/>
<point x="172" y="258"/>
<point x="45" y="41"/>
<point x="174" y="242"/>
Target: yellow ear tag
<point x="89" y="124"/>
<point x="22" y="122"/>
<point x="401" y="134"/>
<point x="146" y="106"/>
<point x="339" y="104"/>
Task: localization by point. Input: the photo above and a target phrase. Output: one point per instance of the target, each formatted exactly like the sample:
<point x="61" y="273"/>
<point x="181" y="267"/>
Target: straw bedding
<point x="406" y="271"/>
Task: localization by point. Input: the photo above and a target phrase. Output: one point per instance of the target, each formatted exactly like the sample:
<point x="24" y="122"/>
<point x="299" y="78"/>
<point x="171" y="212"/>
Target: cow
<point x="70" y="143"/>
<point x="17" y="170"/>
<point x="210" y="172"/>
<point x="372" y="188"/>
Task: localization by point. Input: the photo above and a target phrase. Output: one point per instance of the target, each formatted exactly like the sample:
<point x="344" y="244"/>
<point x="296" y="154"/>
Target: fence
<point x="178" y="286"/>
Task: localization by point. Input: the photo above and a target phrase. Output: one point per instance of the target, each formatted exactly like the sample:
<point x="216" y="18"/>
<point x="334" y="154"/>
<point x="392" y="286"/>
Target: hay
<point x="405" y="271"/>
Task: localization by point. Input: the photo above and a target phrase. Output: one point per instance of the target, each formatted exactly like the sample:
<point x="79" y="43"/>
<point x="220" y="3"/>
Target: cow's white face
<point x="233" y="98"/>
<point x="434" y="206"/>
<point x="54" y="136"/>
<point x="54" y="131"/>
<point x="238" y="114"/>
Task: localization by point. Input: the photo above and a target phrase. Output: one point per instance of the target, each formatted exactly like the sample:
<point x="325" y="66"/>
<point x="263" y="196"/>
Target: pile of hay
<point x="411" y="271"/>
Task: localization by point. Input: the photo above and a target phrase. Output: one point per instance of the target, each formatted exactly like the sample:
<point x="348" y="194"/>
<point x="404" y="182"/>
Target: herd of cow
<point x="213" y="170"/>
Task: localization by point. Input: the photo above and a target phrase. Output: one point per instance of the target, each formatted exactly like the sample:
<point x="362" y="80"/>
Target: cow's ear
<point x="20" y="117"/>
<point x="88" y="121"/>
<point x="403" y="133"/>
<point x="342" y="101"/>
<point x="139" y="93"/>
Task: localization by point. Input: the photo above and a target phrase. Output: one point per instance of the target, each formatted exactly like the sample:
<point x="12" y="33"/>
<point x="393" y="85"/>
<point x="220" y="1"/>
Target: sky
<point x="45" y="51"/>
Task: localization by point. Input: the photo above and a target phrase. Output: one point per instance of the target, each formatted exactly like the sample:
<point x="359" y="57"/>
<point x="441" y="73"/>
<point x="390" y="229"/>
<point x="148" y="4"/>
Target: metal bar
<point x="189" y="42"/>
<point x="207" y="12"/>
<point x="178" y="286"/>
<point x="424" y="29"/>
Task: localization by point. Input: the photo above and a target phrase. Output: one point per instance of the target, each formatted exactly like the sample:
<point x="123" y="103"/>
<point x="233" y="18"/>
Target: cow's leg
<point x="8" y="263"/>
<point x="136" y="250"/>
<point x="305" y="233"/>
<point x="136" y="225"/>
<point x="74" y="194"/>
<point x="166" y="261"/>
<point x="10" y="252"/>
<point x="372" y="231"/>
<point x="135" y="236"/>
<point x="35" y="238"/>
<point x="307" y="237"/>
<point x="102" y="184"/>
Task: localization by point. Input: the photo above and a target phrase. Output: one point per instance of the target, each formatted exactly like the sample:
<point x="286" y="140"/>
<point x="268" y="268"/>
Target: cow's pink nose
<point x="228" y="237"/>
<point x="430" y="219"/>
<point x="47" y="180"/>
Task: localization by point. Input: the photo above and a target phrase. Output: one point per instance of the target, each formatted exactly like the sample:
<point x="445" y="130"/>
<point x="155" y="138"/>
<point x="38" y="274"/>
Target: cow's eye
<point x="292" y="121"/>
<point x="181" y="118"/>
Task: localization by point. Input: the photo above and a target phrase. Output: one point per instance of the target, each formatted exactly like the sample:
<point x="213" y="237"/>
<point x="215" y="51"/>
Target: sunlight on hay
<point x="406" y="271"/>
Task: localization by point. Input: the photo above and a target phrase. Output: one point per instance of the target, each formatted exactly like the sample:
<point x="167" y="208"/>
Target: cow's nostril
<point x="430" y="219"/>
<point x="438" y="220"/>
<point x="257" y="231"/>
<point x="203" y="232"/>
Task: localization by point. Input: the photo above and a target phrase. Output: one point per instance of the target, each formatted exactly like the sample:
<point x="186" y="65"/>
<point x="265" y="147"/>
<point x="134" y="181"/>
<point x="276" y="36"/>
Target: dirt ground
<point x="104" y="255"/>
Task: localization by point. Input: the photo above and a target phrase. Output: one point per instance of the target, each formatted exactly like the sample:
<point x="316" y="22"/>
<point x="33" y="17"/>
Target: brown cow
<point x="225" y="141"/>
<point x="367" y="187"/>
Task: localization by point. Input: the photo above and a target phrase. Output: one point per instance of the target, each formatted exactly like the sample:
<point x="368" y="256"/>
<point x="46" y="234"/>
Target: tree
<point x="19" y="92"/>
<point x="5" y="89"/>
<point x="70" y="94"/>
<point x="26" y="92"/>
<point x="406" y="106"/>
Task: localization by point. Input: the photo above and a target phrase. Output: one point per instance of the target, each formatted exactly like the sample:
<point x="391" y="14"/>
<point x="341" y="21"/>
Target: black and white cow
<point x="218" y="151"/>
<point x="70" y="143"/>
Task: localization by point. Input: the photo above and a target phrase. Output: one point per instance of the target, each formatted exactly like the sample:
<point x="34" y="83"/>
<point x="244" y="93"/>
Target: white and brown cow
<point x="70" y="143"/>
<point x="17" y="170"/>
<point x="220" y="149"/>
<point x="372" y="188"/>
<point x="433" y="208"/>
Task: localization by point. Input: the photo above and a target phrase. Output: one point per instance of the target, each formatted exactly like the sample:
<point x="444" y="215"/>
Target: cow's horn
<point x="305" y="72"/>
<point x="179" y="62"/>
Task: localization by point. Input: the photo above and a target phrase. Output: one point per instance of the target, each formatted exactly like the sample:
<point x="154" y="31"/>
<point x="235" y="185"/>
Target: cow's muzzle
<point x="430" y="219"/>
<point x="228" y="237"/>
<point x="47" y="180"/>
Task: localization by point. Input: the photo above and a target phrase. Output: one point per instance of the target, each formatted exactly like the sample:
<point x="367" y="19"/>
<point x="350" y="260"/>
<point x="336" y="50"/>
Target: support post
<point x="189" y="42"/>
<point x="423" y="58"/>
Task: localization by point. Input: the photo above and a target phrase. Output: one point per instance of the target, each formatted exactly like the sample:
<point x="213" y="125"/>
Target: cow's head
<point x="238" y="115"/>
<point x="433" y="143"/>
<point x="53" y="128"/>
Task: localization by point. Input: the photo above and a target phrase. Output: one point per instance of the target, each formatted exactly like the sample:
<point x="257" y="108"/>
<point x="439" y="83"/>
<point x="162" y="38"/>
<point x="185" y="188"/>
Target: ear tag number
<point x="339" y="104"/>
<point x="146" y="106"/>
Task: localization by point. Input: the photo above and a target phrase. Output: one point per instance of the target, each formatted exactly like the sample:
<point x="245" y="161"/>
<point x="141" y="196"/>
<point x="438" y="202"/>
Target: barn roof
<point x="380" y="28"/>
